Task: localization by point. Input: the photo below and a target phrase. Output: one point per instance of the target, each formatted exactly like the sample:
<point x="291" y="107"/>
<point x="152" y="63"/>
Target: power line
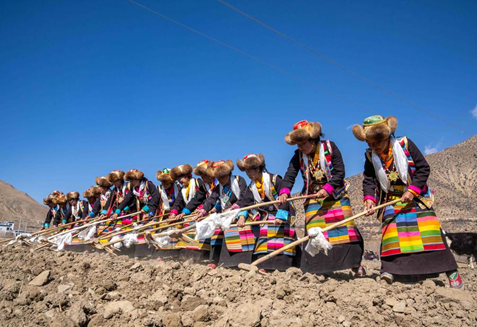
<point x="364" y="79"/>
<point x="282" y="71"/>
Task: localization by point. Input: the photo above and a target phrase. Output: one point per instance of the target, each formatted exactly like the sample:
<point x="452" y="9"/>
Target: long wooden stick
<point x="306" y="238"/>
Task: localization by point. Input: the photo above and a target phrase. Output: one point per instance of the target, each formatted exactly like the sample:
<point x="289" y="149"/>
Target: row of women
<point x="413" y="245"/>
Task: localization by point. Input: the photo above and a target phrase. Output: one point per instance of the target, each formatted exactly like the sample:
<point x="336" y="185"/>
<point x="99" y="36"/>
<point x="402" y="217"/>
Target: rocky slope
<point x="16" y="205"/>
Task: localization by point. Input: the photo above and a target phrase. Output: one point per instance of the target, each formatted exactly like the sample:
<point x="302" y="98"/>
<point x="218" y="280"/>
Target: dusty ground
<point x="96" y="289"/>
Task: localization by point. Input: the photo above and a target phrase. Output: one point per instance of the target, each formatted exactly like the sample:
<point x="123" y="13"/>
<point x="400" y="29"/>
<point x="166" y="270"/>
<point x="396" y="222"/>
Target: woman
<point x="264" y="187"/>
<point x="92" y="195"/>
<point x="203" y="188"/>
<point x="119" y="191"/>
<point x="323" y="172"/>
<point x="143" y="196"/>
<point x="61" y="216"/>
<point x="412" y="240"/>
<point x="106" y="195"/>
<point x="76" y="207"/>
<point x="168" y="191"/>
<point x="232" y="193"/>
<point x="50" y="201"/>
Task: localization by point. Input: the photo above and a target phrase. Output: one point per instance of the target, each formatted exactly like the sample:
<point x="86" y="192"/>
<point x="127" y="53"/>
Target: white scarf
<point x="90" y="207"/>
<point x="208" y="188"/>
<point x="224" y="199"/>
<point x="142" y="187"/>
<point x="123" y="190"/>
<point x="191" y="188"/>
<point x="105" y="197"/>
<point x="165" y="199"/>
<point x="400" y="161"/>
<point x="322" y="165"/>
<point x="266" y="186"/>
<point x="75" y="209"/>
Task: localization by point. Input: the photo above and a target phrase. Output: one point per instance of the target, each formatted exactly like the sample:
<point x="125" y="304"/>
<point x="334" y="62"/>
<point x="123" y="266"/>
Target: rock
<point x="346" y="323"/>
<point x="399" y="307"/>
<point x="172" y="320"/>
<point x="112" y="308"/>
<point x="341" y="319"/>
<point x="200" y="313"/>
<point x="41" y="279"/>
<point x="246" y="314"/>
<point x="175" y="265"/>
<point x="390" y="301"/>
<point x="64" y="288"/>
<point x="136" y="266"/>
<point x="453" y="295"/>
<point x="429" y="283"/>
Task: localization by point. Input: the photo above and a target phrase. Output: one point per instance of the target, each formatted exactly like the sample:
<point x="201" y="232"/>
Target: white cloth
<point x="88" y="233"/>
<point x="21" y="237"/>
<point x="206" y="228"/>
<point x="130" y="239"/>
<point x="191" y="188"/>
<point x="117" y="245"/>
<point x="317" y="242"/>
<point x="400" y="161"/>
<point x="62" y="240"/>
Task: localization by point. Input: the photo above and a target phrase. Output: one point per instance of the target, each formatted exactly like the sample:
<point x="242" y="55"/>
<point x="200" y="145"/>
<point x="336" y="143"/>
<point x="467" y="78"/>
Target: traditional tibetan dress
<point x="272" y="237"/>
<point x="167" y="199"/>
<point x="144" y="197"/>
<point x="50" y="215"/>
<point x="190" y="199"/>
<point x="75" y="212"/>
<point x="92" y="209"/>
<point x="61" y="216"/>
<point x="239" y="242"/>
<point x="325" y="169"/>
<point x="412" y="240"/>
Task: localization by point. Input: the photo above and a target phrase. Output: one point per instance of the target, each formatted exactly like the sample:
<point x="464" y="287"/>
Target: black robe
<point x="130" y="199"/>
<point x="61" y="215"/>
<point x="246" y="196"/>
<point x="337" y="174"/>
<point x="198" y="199"/>
<point x="96" y="209"/>
<point x="69" y="213"/>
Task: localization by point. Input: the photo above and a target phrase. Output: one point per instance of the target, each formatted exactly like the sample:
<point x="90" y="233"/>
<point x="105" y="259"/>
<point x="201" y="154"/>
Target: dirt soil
<point x="97" y="289"/>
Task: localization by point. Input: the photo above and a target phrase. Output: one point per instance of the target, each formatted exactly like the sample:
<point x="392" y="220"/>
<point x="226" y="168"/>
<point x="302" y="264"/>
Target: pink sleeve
<point x="285" y="190"/>
<point x="328" y="188"/>
<point x="369" y="197"/>
<point x="235" y="206"/>
<point x="415" y="189"/>
<point x="174" y="211"/>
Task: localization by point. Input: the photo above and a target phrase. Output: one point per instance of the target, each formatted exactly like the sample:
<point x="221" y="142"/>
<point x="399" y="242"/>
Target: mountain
<point x="16" y="205"/>
<point x="454" y="180"/>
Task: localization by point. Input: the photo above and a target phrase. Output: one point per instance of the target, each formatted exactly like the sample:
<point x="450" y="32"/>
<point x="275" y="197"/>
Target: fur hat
<point x="91" y="192"/>
<point x="221" y="168"/>
<point x="375" y="128"/>
<point x="303" y="131"/>
<point x="164" y="176"/>
<point x="115" y="175"/>
<point x="134" y="174"/>
<point x="61" y="199"/>
<point x="178" y="171"/>
<point x="203" y="169"/>
<point x="251" y="161"/>
<point x="72" y="195"/>
<point x="49" y="199"/>
<point x="103" y="182"/>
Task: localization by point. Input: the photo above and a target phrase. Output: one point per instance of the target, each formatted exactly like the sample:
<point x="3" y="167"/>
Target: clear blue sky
<point x="91" y="86"/>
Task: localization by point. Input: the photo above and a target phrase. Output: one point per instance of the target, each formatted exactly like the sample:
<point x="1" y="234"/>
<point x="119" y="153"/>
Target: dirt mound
<point x="96" y="289"/>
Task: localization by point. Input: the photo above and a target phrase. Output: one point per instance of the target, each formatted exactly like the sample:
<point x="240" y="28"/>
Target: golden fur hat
<point x="115" y="175"/>
<point x="103" y="182"/>
<point x="180" y="170"/>
<point x="61" y="199"/>
<point x="49" y="199"/>
<point x="203" y="169"/>
<point x="221" y="168"/>
<point x="303" y="131"/>
<point x="164" y="176"/>
<point x="134" y="174"/>
<point x="91" y="192"/>
<point x="72" y="195"/>
<point x="375" y="128"/>
<point x="251" y="161"/>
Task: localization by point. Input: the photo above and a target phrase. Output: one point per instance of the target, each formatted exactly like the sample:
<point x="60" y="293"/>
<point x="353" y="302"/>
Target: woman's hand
<point x="407" y="197"/>
<point x="278" y="221"/>
<point x="369" y="206"/>
<point x="180" y="216"/>
<point x="201" y="213"/>
<point x="241" y="221"/>
<point x="115" y="216"/>
<point x="283" y="198"/>
<point x="322" y="194"/>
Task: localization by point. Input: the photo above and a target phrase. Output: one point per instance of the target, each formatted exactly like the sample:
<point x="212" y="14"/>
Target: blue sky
<point x="91" y="86"/>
